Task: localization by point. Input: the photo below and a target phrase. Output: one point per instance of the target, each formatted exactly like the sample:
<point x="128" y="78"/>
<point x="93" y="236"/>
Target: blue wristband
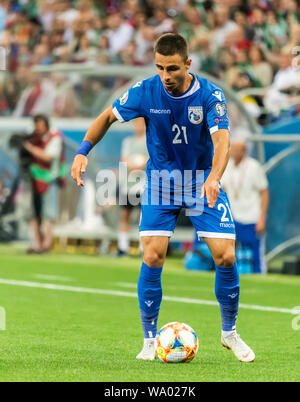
<point x="84" y="148"/>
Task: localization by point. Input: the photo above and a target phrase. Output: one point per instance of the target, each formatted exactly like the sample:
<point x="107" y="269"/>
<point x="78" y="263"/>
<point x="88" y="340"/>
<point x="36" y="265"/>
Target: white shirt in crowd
<point x="54" y="149"/>
<point x="120" y="38"/>
<point x="243" y="184"/>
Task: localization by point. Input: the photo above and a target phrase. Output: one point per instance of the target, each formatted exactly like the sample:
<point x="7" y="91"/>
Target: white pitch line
<point x="53" y="278"/>
<point x="51" y="286"/>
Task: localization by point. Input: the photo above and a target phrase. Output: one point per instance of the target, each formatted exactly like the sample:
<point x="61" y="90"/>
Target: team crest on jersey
<point x="123" y="99"/>
<point x="195" y="114"/>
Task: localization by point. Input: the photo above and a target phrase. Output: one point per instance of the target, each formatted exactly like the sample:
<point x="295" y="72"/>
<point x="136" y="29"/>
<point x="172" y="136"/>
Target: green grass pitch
<point x="59" y="328"/>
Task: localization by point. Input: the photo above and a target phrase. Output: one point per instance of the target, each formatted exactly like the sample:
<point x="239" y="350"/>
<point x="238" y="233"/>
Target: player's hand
<point x="260" y="227"/>
<point x="211" y="190"/>
<point x="79" y="168"/>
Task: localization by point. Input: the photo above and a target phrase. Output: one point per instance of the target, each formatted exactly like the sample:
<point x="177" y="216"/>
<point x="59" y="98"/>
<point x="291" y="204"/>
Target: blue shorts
<point x="217" y="222"/>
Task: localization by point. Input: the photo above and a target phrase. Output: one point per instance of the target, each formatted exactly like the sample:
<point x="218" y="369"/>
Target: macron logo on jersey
<point x="160" y="111"/>
<point x="218" y="95"/>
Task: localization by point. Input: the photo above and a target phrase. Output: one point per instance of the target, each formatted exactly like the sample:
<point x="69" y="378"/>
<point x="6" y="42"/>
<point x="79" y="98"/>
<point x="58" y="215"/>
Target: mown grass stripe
<point x="51" y="286"/>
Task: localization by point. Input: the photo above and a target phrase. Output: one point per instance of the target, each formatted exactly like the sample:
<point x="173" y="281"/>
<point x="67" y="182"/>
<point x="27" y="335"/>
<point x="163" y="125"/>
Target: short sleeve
<point x="54" y="147"/>
<point x="216" y="112"/>
<point x="130" y="106"/>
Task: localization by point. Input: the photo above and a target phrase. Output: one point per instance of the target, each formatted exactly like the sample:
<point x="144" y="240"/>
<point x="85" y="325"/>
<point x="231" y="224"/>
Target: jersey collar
<point x="190" y="91"/>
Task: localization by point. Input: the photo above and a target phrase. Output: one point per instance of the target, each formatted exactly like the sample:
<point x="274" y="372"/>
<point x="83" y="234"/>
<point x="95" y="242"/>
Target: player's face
<point x="173" y="72"/>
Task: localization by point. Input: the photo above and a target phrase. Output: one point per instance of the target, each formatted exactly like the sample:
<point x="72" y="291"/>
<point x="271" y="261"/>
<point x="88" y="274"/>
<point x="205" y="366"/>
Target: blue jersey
<point x="179" y="128"/>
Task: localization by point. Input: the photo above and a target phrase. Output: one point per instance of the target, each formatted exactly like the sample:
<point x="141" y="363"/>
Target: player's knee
<point x="225" y="259"/>
<point x="154" y="259"/>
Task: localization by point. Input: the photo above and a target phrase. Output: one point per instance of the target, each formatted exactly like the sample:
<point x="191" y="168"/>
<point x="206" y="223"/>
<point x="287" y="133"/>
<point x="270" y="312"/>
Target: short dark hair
<point x="169" y="44"/>
<point x="42" y="117"/>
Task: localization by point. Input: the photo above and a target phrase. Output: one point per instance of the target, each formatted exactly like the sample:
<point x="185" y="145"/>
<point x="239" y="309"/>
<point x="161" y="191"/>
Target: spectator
<point x="86" y="11"/>
<point x="223" y="36"/>
<point x="36" y="98"/>
<point x="161" y="22"/>
<point x="285" y="83"/>
<point x="11" y="92"/>
<point x="85" y="52"/>
<point x="275" y="31"/>
<point x="258" y="20"/>
<point x="250" y="102"/>
<point x="224" y="27"/>
<point x="65" y="103"/>
<point x="144" y="39"/>
<point x="41" y="56"/>
<point x="119" y="33"/>
<point x="262" y="69"/>
<point x="47" y="151"/>
<point x="247" y="188"/>
<point x="46" y="11"/>
<point x="227" y="70"/>
<point x="95" y="30"/>
<point x="66" y="12"/>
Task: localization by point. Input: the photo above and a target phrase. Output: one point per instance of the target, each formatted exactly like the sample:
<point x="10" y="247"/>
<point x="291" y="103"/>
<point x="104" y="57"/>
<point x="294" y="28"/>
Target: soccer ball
<point x="176" y="342"/>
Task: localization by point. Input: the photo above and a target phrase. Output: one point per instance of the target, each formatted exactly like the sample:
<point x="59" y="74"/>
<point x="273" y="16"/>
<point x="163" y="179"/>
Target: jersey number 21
<point x="178" y="132"/>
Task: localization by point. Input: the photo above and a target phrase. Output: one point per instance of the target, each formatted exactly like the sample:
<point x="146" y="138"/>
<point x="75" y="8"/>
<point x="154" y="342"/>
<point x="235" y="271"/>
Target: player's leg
<point x="216" y="227"/>
<point x="156" y="227"/>
<point x="227" y="286"/>
<point x="227" y="289"/>
<point x="150" y="290"/>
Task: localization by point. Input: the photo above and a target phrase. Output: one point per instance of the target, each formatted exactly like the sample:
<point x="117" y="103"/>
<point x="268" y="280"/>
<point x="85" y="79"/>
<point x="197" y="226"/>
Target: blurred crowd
<point x="246" y="44"/>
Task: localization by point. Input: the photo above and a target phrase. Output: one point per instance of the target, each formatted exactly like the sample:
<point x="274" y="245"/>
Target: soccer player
<point x="187" y="133"/>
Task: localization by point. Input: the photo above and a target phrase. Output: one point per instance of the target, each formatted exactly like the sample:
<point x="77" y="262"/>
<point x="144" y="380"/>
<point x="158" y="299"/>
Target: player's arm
<point x="94" y="134"/>
<point x="264" y="203"/>
<point x="221" y="142"/>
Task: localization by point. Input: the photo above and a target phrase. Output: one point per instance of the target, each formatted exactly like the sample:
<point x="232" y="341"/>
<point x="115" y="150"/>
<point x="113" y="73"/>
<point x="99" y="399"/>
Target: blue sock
<point x="227" y="289"/>
<point x="150" y="296"/>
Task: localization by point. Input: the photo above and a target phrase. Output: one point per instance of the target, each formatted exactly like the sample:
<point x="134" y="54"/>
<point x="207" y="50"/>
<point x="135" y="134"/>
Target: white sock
<point x="123" y="241"/>
<point x="228" y="333"/>
<point x="149" y="341"/>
